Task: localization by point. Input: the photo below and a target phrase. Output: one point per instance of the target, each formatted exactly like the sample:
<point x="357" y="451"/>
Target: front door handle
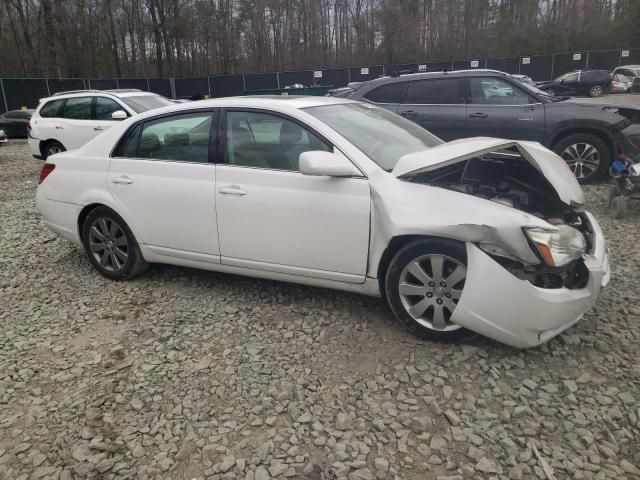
<point x="98" y="129"/>
<point x="124" y="180"/>
<point x="232" y="190"/>
<point x="478" y="115"/>
<point x="409" y="113"/>
<point x="59" y="127"/>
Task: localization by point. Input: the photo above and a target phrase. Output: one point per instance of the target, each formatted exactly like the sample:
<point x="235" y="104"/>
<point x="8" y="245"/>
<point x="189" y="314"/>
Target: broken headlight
<point x="559" y="246"/>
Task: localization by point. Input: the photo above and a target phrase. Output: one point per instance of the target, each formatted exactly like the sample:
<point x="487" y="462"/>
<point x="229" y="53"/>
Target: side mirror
<point x="327" y="164"/>
<point x="119" y="115"/>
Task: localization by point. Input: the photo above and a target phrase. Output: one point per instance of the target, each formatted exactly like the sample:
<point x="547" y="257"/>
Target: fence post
<point x="244" y="84"/>
<point x="586" y="61"/>
<point x="148" y="87"/>
<point x="278" y="79"/>
<point x="172" y="85"/>
<point x="553" y="66"/>
<point x="117" y="83"/>
<point x="4" y="97"/>
<point x="46" y="81"/>
<point x="209" y="86"/>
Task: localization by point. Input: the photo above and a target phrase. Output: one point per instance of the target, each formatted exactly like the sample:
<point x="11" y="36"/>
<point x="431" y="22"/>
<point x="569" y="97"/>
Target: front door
<point x="162" y="180"/>
<point x="272" y="217"/>
<point x="501" y="109"/>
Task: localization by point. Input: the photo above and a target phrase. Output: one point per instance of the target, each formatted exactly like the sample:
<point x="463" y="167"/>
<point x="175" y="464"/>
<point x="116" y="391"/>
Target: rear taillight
<point x="47" y="168"/>
<point x="29" y="127"/>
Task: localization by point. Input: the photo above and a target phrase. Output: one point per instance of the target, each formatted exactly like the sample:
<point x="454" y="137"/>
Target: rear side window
<point x="444" y="91"/>
<point x="78" y="108"/>
<point x="128" y="147"/>
<point x="390" y="93"/>
<point x="51" y="109"/>
<point x="182" y="138"/>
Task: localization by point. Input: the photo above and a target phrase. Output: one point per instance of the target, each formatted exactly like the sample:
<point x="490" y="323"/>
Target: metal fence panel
<point x="102" y="83"/>
<point x="139" y="83"/>
<point x="161" y="86"/>
<point x="633" y="57"/>
<point x="226" y="85"/>
<point x="603" y="59"/>
<point x="192" y="87"/>
<point x="568" y="62"/>
<point x="24" y="92"/>
<point x="362" y="74"/>
<point x="509" y="64"/>
<point x="540" y="67"/>
<point x="65" y="84"/>
<point x="304" y="77"/>
<point x="398" y="67"/>
<point x="334" y="77"/>
<point x="469" y="64"/>
<point x="261" y="81"/>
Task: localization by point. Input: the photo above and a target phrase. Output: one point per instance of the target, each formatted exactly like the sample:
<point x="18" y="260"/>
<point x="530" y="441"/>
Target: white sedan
<point x="485" y="234"/>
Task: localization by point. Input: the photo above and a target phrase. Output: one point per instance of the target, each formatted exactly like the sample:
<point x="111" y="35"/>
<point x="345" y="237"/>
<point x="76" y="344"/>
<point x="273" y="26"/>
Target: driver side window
<point x="262" y="140"/>
<point x="495" y="91"/>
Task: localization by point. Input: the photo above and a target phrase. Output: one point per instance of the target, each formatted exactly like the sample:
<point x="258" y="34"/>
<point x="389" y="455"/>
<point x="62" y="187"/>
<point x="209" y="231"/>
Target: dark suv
<point x="593" y="83"/>
<point x="488" y="103"/>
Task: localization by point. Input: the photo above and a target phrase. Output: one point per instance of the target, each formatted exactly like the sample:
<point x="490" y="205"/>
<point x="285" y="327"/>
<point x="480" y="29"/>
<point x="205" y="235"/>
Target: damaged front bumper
<point x="513" y="311"/>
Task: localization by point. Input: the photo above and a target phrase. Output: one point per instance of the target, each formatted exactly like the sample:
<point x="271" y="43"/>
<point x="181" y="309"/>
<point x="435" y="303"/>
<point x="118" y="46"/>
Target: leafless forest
<point x="70" y="38"/>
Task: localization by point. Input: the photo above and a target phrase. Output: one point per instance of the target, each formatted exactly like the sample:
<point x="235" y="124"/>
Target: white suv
<point x="68" y="120"/>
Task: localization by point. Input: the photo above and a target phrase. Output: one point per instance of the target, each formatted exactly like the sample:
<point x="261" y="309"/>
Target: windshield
<point x="142" y="103"/>
<point x="383" y="136"/>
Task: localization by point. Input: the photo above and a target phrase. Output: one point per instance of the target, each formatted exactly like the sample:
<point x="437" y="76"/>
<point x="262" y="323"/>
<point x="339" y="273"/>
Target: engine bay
<point x="502" y="177"/>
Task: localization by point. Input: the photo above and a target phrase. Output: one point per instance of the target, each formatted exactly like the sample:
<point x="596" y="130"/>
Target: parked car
<point x="485" y="102"/>
<point x="621" y="83"/>
<point x="593" y="83"/>
<point x="15" y="122"/>
<point x="339" y="194"/>
<point x="631" y="71"/>
<point x="68" y="120"/>
<point x="3" y="137"/>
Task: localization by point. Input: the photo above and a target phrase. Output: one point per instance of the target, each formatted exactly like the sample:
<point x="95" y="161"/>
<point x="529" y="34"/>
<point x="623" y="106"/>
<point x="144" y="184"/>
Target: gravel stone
<point x="188" y="374"/>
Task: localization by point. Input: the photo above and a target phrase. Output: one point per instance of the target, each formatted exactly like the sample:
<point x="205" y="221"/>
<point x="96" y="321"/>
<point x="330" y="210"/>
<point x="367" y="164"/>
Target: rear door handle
<point x="232" y="190"/>
<point x="124" y="180"/>
<point x="98" y="129"/>
<point x="478" y="115"/>
<point x="59" y="127"/>
<point x="409" y="113"/>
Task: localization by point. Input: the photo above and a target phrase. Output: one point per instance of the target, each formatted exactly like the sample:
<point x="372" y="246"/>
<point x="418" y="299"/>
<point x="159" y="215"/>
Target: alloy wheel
<point x="582" y="158"/>
<point x="108" y="244"/>
<point x="596" y="91"/>
<point x="430" y="287"/>
<point x="53" y="149"/>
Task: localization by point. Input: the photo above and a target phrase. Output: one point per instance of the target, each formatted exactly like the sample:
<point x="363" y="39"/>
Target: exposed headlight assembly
<point x="559" y="246"/>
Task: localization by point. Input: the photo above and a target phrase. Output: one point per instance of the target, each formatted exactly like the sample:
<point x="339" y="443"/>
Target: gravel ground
<point x="186" y="374"/>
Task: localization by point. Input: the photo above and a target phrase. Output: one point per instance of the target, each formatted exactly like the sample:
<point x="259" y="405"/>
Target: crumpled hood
<point x="554" y="169"/>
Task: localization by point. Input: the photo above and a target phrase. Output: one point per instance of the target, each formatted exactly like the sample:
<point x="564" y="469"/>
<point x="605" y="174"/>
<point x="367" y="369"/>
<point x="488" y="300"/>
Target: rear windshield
<point x="142" y="103"/>
<point x="383" y="136"/>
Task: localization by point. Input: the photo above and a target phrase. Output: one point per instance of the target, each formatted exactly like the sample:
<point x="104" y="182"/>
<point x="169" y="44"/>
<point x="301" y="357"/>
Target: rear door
<point x="75" y="127"/>
<point x="161" y="178"/>
<point x="437" y="105"/>
<point x="499" y="108"/>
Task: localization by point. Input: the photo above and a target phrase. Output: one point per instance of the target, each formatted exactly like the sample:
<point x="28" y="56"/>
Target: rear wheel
<point x="424" y="283"/>
<point x="51" y="148"/>
<point x="110" y="245"/>
<point x="596" y="91"/>
<point x="587" y="155"/>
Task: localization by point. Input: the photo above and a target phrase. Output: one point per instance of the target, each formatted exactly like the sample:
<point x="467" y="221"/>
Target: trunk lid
<point x="552" y="167"/>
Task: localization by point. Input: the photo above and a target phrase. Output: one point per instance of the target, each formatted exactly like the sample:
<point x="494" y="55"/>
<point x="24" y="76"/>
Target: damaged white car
<point x="482" y="234"/>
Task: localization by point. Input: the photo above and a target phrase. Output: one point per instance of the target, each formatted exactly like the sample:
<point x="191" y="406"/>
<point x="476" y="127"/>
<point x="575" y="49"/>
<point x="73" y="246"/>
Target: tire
<point x="408" y="293"/>
<point x="620" y="206"/>
<point x="586" y="154"/>
<point x="596" y="91"/>
<point x="110" y="245"/>
<point x="51" y="148"/>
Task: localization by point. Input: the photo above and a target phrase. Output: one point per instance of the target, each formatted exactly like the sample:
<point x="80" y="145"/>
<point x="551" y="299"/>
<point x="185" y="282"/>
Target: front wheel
<point x="588" y="156"/>
<point x="424" y="283"/>
<point x="110" y="245"/>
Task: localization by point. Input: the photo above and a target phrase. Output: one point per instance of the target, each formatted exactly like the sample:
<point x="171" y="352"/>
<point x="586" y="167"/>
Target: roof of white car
<point x="268" y="102"/>
<point x="114" y="93"/>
